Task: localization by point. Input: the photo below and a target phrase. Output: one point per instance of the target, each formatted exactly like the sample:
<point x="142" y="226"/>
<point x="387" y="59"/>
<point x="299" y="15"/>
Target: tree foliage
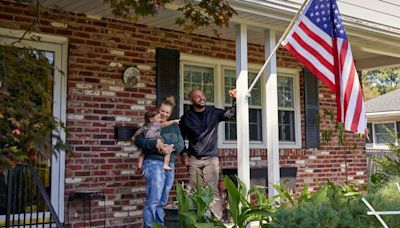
<point x="27" y="126"/>
<point x="381" y="81"/>
<point x="195" y="14"/>
<point x="390" y="164"/>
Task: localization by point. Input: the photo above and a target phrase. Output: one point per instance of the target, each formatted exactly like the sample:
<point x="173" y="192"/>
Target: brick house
<point x="93" y="49"/>
<point x="383" y="111"/>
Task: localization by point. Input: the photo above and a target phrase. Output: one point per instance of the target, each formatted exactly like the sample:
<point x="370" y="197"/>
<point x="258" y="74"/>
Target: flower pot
<point x="171" y="219"/>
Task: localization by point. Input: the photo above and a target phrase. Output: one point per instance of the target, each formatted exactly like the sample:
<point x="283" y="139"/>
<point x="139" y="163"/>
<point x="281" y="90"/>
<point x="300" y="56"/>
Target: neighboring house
<point x="383" y="113"/>
<point x="92" y="49"/>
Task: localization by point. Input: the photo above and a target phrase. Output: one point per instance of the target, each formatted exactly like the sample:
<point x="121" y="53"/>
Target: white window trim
<point x="232" y="143"/>
<point x="59" y="45"/>
<point x="184" y="96"/>
<point x="376" y="145"/>
<point x="297" y="112"/>
<point x="219" y="65"/>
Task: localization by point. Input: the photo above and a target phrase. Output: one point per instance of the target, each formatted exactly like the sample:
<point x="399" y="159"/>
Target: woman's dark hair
<point x="148" y="115"/>
<point x="170" y="100"/>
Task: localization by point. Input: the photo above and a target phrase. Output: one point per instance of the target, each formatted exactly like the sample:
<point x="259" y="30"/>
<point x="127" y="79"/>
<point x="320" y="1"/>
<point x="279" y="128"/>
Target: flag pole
<point x="276" y="47"/>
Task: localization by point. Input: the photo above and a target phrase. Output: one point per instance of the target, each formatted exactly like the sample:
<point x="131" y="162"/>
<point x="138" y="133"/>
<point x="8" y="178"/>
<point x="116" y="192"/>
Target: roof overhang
<point x="383" y="115"/>
<point x="374" y="45"/>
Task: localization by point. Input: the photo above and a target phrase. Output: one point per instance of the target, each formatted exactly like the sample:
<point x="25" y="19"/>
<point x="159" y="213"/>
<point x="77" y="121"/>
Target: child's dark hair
<point x="148" y="115"/>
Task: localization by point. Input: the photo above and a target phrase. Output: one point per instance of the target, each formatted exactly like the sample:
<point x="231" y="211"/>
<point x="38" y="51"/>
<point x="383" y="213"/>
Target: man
<point x="200" y="126"/>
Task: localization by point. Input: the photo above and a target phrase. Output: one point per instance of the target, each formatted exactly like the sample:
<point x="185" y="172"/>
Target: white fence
<point x="371" y="153"/>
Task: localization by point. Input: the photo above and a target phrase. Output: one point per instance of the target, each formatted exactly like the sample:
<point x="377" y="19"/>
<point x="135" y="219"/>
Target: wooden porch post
<point x="271" y="88"/>
<point x="242" y="118"/>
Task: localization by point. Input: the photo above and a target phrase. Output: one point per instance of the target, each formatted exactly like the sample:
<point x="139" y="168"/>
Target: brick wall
<point x="99" y="51"/>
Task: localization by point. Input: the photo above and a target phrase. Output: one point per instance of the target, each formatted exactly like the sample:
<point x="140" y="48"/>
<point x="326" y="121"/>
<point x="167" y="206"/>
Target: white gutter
<point x="383" y="114"/>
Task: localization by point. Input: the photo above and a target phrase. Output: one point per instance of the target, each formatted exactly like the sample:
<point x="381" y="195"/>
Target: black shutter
<point x="311" y="105"/>
<point x="370" y="139"/>
<point x="398" y="130"/>
<point x="168" y="76"/>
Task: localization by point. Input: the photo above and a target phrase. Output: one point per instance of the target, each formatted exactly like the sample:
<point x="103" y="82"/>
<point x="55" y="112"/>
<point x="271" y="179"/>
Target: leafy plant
<point x="331" y="206"/>
<point x="385" y="198"/>
<point x="195" y="14"/>
<point x="389" y="165"/>
<point x="243" y="212"/>
<point x="27" y="126"/>
<point x="193" y="206"/>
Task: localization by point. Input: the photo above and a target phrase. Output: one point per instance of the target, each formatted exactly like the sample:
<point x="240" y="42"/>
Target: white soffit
<point x="370" y="24"/>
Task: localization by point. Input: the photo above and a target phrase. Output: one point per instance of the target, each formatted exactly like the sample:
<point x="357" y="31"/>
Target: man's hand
<point x="185" y="159"/>
<point x="232" y="93"/>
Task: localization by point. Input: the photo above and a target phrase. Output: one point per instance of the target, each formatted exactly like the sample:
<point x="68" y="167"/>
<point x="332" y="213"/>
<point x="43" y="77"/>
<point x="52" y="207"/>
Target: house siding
<point x="98" y="100"/>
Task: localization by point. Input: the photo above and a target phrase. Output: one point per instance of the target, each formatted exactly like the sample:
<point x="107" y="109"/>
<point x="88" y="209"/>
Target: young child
<point x="152" y="130"/>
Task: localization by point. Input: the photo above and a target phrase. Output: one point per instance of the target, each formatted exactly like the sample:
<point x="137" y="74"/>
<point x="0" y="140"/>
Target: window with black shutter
<point x="311" y="105"/>
<point x="168" y="76"/>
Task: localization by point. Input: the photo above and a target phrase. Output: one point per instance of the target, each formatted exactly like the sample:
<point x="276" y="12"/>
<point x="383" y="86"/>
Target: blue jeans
<point x="158" y="185"/>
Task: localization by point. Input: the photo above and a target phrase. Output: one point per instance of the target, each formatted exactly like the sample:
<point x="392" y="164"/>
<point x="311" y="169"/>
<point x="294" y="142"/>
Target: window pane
<point x="230" y="130"/>
<point x="382" y="134"/>
<point x="255" y="127"/>
<point x="285" y="92"/>
<point x="286" y="126"/>
<point x="255" y="98"/>
<point x="197" y="77"/>
<point x="230" y="83"/>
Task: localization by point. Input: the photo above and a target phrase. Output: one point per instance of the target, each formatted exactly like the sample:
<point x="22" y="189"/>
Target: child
<point x="152" y="130"/>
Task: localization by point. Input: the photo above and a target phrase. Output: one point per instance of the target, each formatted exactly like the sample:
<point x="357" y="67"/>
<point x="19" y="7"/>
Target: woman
<point x="158" y="180"/>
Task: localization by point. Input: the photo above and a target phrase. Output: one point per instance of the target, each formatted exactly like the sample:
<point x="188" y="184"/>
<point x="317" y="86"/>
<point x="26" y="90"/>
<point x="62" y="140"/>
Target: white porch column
<point x="242" y="118"/>
<point x="271" y="100"/>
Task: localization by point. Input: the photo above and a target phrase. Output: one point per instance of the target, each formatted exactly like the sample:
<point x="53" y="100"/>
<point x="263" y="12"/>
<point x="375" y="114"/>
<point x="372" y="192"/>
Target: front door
<point x="51" y="172"/>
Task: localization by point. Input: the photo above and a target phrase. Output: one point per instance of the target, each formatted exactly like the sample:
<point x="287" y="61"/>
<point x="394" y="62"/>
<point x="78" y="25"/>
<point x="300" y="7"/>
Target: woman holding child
<point x="159" y="180"/>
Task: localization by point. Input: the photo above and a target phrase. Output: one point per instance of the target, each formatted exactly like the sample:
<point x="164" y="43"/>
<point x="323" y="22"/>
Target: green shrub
<point x="390" y="166"/>
<point x="339" y="206"/>
<point x="331" y="206"/>
<point x="386" y="198"/>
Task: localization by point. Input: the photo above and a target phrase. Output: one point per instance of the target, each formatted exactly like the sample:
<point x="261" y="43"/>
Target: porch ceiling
<point x="374" y="44"/>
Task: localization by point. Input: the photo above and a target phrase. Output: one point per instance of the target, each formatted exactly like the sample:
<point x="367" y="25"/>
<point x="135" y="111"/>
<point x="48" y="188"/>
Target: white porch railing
<point x="379" y="213"/>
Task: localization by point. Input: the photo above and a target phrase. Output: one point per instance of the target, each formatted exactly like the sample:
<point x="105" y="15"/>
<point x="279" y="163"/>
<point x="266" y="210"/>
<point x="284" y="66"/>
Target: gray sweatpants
<point x="208" y="170"/>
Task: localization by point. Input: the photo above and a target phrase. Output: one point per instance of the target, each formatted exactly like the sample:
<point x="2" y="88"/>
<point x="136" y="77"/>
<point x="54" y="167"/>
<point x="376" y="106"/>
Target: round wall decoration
<point x="131" y="76"/>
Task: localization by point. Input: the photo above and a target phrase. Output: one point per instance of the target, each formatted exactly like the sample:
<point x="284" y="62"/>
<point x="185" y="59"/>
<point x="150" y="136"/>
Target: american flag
<point x="319" y="41"/>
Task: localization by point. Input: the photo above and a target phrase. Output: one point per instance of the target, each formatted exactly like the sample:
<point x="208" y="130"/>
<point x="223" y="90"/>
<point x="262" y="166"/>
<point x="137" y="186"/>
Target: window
<point x="215" y="77"/>
<point x="255" y="108"/>
<point x="198" y="77"/>
<point x="286" y="109"/>
<point x="382" y="133"/>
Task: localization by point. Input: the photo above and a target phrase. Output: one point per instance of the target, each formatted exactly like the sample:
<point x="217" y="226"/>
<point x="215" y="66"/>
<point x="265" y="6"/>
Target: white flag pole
<point x="276" y="47"/>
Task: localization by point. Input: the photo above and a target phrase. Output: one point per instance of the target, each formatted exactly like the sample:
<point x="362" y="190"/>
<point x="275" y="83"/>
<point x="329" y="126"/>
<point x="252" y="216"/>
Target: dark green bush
<point x="340" y="206"/>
